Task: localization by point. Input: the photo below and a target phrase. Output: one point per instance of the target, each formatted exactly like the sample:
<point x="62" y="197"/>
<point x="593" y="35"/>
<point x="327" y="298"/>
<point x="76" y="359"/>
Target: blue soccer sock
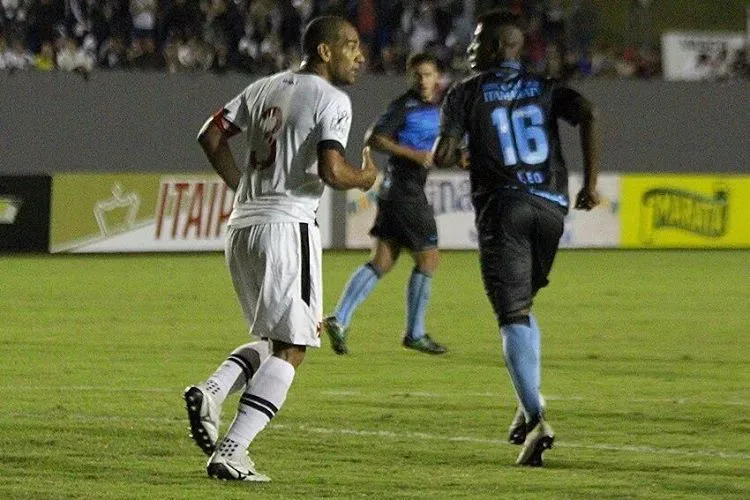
<point x="417" y="298"/>
<point x="359" y="286"/>
<point x="522" y="360"/>
<point x="536" y="342"/>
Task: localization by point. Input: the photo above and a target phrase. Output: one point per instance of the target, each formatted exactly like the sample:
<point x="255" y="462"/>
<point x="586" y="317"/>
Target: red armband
<point x="228" y="129"/>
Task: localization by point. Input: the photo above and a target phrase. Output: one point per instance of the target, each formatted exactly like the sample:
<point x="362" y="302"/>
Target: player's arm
<point x="577" y="110"/>
<point x="213" y="139"/>
<point x="338" y="173"/>
<point x="446" y="152"/>
<point x="386" y="144"/>
<point x="590" y="135"/>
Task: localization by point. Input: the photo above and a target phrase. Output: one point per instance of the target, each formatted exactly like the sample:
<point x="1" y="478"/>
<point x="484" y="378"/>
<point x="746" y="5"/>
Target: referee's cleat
<point x="233" y="465"/>
<point x="336" y="334"/>
<point x="203" y="415"/>
<point x="424" y="344"/>
<point x="538" y="440"/>
<point x="517" y="429"/>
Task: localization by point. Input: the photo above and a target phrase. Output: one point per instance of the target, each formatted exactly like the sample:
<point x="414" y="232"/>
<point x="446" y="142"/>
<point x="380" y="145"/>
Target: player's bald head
<point x="323" y="29"/>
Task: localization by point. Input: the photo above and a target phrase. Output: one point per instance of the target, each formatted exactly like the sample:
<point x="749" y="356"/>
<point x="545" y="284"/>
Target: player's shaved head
<point x="498" y="37"/>
<point x="323" y="29"/>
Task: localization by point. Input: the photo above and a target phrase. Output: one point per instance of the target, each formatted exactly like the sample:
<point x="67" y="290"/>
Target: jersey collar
<point x="509" y="66"/>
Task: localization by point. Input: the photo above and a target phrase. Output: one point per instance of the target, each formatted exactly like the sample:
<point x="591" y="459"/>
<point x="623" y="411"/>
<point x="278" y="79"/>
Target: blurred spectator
<point x="142" y="51"/>
<point x="17" y="57"/>
<point x="582" y="26"/>
<point x="113" y="52"/>
<point x="182" y="19"/>
<point x="74" y="57"/>
<point x="740" y="65"/>
<point x="221" y="30"/>
<point x="3" y="51"/>
<point x="45" y="59"/>
<point x="45" y="18"/>
<point x="638" y="34"/>
<point x="13" y="17"/>
<point x="263" y="36"/>
<point x="536" y="46"/>
<point x="554" y="64"/>
<point x="366" y="21"/>
<point x="553" y="25"/>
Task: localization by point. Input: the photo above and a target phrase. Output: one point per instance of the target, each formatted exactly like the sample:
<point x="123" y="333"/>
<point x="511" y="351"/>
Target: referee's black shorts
<point x="518" y="238"/>
<point x="407" y="224"/>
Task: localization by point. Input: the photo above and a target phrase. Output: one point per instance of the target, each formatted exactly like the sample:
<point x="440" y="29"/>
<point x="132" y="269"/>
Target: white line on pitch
<point x="417" y="436"/>
<point x="416" y="394"/>
<point x="563" y="444"/>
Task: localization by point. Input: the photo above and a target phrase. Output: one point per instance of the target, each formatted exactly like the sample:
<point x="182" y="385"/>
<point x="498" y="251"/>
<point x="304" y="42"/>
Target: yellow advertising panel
<point x="685" y="211"/>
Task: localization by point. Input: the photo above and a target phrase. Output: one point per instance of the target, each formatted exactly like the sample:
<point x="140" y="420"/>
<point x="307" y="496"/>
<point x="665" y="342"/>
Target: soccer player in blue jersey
<point x="519" y="185"/>
<point x="406" y="132"/>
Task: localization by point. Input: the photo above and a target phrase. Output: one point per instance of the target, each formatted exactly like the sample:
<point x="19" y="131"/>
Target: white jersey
<point x="285" y="116"/>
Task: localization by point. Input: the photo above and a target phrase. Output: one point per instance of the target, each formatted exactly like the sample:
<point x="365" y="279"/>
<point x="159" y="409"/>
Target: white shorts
<point x="276" y="271"/>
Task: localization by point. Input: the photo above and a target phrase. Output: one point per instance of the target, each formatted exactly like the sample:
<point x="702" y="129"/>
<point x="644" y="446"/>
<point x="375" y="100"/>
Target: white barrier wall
<point x="147" y="213"/>
<point x="449" y="194"/>
<point x="188" y="212"/>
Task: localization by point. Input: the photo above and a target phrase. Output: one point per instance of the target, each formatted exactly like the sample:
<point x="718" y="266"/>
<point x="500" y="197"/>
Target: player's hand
<point x="587" y="199"/>
<point x="369" y="170"/>
<point x="425" y="159"/>
<point x="464" y="161"/>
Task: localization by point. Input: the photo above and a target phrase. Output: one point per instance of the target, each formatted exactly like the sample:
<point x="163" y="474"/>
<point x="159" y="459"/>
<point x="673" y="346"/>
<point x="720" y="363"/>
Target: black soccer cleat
<point x="424" y="344"/>
<point x="336" y="334"/>
<point x="538" y="440"/>
<point x="517" y="429"/>
<point x="203" y="415"/>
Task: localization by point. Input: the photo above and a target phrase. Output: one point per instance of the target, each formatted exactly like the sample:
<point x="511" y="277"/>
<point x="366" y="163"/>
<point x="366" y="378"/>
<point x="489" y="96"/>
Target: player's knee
<point x="427" y="263"/>
<point x="380" y="268"/>
<point x="252" y="354"/>
<point x="291" y="353"/>
<point x="516" y="318"/>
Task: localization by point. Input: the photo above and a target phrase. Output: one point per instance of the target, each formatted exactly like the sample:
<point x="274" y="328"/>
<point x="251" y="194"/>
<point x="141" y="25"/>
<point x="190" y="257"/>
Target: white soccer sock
<point x="261" y="401"/>
<point x="237" y="370"/>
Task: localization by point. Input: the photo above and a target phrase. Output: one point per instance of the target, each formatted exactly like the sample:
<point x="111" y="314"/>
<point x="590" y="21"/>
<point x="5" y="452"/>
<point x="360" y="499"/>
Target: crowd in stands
<point x="263" y="36"/>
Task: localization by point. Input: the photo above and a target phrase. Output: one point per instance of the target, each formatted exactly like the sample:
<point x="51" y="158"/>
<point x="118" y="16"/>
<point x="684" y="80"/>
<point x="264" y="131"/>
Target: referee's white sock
<point x="261" y="401"/>
<point x="237" y="370"/>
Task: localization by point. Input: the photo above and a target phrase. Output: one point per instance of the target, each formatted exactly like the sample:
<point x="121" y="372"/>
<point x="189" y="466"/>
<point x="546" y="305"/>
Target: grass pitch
<point x="646" y="368"/>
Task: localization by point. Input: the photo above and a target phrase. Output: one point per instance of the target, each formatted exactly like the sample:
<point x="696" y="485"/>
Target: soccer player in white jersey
<point x="296" y="125"/>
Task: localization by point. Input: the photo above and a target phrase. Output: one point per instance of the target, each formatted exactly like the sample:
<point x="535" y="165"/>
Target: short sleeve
<point x="236" y="111"/>
<point x="452" y="113"/>
<point x="336" y="119"/>
<point x="391" y="121"/>
<point x="568" y="104"/>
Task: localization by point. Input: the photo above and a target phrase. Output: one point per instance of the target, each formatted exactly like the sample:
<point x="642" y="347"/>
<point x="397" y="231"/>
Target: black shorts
<point x="407" y="224"/>
<point x="518" y="239"/>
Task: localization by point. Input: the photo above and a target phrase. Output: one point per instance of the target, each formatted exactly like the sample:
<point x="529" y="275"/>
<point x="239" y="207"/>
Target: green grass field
<point x="646" y="368"/>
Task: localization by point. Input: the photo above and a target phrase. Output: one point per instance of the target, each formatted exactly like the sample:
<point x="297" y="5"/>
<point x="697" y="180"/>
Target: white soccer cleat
<point x="538" y="440"/>
<point x="203" y="414"/>
<point x="231" y="464"/>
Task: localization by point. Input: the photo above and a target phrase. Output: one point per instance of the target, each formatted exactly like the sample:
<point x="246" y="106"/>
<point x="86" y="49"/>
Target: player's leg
<point x="418" y="293"/>
<point x="506" y="261"/>
<point x="362" y="282"/>
<point x="261" y="401"/>
<point x="420" y="236"/>
<point x="287" y="309"/>
<point x="203" y="401"/>
<point x="545" y="238"/>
